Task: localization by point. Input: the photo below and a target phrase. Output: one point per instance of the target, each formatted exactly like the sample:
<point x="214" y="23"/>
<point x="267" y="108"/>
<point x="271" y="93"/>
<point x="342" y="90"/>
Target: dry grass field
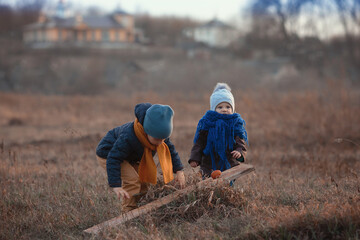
<point x="305" y="147"/>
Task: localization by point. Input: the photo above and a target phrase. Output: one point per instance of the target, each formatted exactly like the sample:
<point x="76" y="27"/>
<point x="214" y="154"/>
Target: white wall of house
<point x="213" y="36"/>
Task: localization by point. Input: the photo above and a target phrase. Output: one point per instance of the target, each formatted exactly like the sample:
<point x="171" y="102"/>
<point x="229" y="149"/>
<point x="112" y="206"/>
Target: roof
<point x="121" y="12"/>
<point x="216" y="23"/>
<point x="89" y="21"/>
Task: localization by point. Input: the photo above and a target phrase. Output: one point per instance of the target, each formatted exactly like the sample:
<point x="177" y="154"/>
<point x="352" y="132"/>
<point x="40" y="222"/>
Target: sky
<point x="196" y="9"/>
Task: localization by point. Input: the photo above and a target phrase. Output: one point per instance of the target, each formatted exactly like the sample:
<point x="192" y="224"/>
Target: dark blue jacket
<point x="121" y="144"/>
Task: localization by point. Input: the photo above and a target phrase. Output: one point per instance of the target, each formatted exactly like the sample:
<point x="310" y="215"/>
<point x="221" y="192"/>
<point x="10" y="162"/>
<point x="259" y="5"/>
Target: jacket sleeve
<point x="240" y="146"/>
<point x="106" y="144"/>
<point x="198" y="147"/>
<point x="175" y="158"/>
<point x="118" y="153"/>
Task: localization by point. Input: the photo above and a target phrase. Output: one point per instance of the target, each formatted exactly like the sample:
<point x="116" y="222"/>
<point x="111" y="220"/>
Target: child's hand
<point x="236" y="154"/>
<point x="180" y="178"/>
<point x="193" y="164"/>
<point x="121" y="193"/>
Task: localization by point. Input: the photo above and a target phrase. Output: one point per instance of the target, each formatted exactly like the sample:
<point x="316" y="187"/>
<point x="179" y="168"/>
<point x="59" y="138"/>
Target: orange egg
<point x="216" y="174"/>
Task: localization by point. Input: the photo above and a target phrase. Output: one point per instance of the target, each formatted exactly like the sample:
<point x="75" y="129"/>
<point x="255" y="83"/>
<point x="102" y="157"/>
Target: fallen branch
<point x="228" y="175"/>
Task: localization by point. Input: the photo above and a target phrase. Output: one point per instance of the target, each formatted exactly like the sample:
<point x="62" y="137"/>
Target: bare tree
<point x="349" y="14"/>
<point x="25" y="12"/>
<point x="164" y="31"/>
<point x="276" y="15"/>
<point x="6" y="18"/>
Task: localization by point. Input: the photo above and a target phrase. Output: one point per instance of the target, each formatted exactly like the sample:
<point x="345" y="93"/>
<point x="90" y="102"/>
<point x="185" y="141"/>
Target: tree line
<point x="278" y="25"/>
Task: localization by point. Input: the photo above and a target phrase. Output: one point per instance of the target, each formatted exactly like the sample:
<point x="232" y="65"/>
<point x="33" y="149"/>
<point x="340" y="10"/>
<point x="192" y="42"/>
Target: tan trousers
<point x="130" y="183"/>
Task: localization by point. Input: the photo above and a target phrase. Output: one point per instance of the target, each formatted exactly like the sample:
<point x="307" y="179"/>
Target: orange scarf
<point x="147" y="167"/>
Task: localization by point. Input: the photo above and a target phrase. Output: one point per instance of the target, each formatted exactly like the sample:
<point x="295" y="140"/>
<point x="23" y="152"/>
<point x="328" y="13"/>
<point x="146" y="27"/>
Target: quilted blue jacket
<point x="121" y="144"/>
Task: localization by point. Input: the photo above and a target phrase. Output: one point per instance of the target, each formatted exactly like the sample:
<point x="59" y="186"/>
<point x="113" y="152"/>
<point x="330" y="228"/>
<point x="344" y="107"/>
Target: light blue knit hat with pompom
<point x="222" y="93"/>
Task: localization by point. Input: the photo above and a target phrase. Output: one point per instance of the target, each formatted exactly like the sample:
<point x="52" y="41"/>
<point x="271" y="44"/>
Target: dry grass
<point x="304" y="146"/>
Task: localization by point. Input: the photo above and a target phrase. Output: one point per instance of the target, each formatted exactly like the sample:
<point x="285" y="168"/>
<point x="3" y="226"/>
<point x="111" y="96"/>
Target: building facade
<point x="213" y="33"/>
<point x="110" y="30"/>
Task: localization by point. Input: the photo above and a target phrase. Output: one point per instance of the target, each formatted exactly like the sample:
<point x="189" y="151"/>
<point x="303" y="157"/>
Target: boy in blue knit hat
<point x="220" y="137"/>
<point x="127" y="151"/>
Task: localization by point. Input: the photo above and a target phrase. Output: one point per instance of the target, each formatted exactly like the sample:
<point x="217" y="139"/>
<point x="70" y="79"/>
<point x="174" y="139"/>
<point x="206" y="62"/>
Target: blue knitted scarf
<point x="222" y="129"/>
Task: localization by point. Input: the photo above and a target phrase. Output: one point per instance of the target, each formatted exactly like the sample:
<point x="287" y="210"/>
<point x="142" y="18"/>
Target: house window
<point x="105" y="35"/>
<point x="34" y="36"/>
<point x="42" y="36"/>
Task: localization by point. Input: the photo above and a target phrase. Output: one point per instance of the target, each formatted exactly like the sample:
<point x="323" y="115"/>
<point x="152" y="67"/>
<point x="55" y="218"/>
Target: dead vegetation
<point x="304" y="146"/>
<point x="217" y="202"/>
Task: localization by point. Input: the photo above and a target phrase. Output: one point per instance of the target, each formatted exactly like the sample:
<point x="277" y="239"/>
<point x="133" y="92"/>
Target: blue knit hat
<point x="222" y="93"/>
<point x="158" y="121"/>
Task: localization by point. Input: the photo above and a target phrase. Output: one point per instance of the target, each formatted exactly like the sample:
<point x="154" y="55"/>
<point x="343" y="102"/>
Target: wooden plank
<point x="237" y="171"/>
<point x="228" y="175"/>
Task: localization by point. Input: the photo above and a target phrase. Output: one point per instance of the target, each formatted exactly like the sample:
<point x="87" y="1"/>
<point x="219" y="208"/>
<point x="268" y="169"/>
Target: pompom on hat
<point x="222" y="93"/>
<point x="158" y="121"/>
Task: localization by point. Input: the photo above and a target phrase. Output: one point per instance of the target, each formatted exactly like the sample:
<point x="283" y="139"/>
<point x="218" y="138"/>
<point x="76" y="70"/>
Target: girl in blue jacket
<point x="127" y="151"/>
<point x="220" y="138"/>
